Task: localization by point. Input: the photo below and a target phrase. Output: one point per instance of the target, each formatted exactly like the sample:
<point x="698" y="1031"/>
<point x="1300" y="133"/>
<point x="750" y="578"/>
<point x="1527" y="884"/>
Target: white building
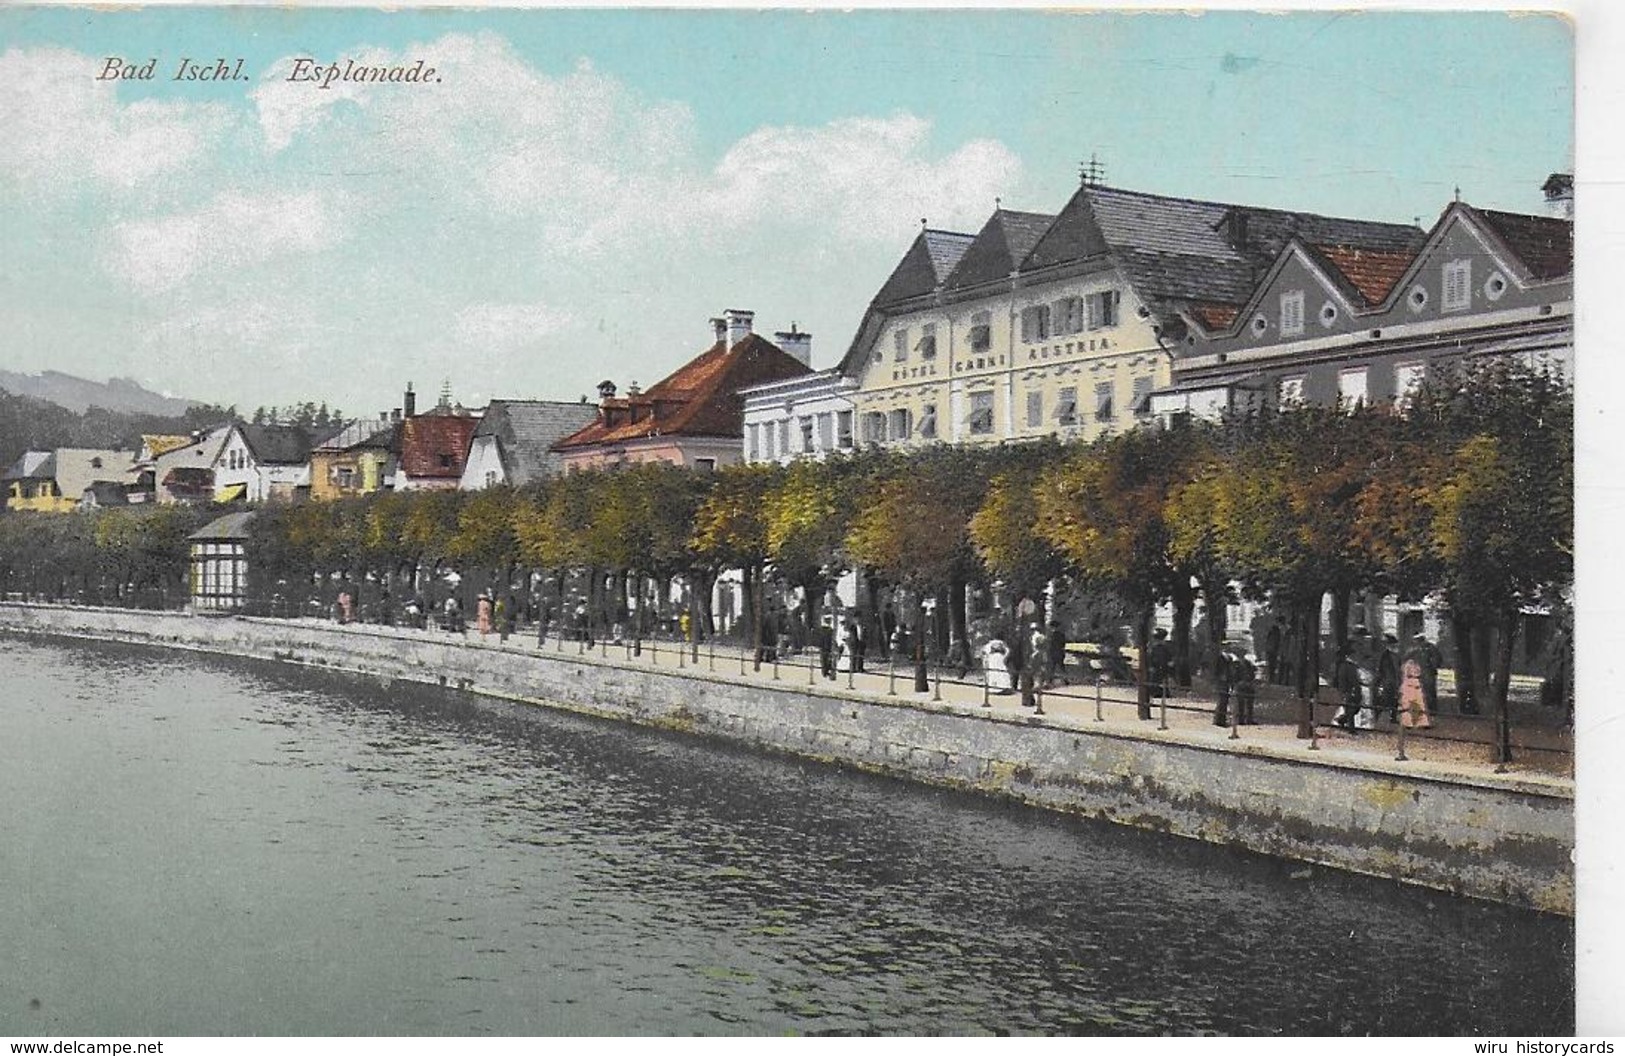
<point x="806" y="417"/>
<point x="261" y="462"/>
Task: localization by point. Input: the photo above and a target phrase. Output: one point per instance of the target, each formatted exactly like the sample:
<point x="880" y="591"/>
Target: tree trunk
<point x="1466" y="674"/>
<point x="1142" y="641"/>
<point x="1342" y="598"/>
<point x="1184" y="599"/>
<point x="922" y="683"/>
<point x="957" y="599"/>
<point x="1501" y="686"/>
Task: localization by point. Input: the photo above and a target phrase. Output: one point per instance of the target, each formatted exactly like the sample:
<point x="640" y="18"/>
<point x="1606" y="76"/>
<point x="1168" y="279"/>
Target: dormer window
<point x="981" y="332"/>
<point x="899" y="340"/>
<point x="1457" y="286"/>
<point x="1068" y="315"/>
<point x="1035" y="323"/>
<point x="1102" y="309"/>
<point x="1292" y="314"/>
<point x="928" y="341"/>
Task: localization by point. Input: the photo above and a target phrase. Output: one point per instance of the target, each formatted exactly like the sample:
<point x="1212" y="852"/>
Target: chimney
<point x="738" y="325"/>
<point x="632" y="389"/>
<point x="1559" y="191"/>
<point x="796" y="343"/>
<point x="606" y="391"/>
<point x="719" y="331"/>
<point x="1238" y="228"/>
<point x="409" y="406"/>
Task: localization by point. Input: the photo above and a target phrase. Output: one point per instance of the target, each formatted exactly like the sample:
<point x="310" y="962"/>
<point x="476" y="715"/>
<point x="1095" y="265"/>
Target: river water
<point x="204" y="845"/>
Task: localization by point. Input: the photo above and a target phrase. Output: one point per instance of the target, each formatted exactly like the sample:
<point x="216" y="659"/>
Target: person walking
<point x="848" y="659"/>
<point x="1385" y="688"/>
<point x="1159" y="661"/>
<point x="1244" y="680"/>
<point x="1034" y="673"/>
<point x="1346" y="681"/>
<point x="994" y="668"/>
<point x="482" y="614"/>
<point x="825" y="637"/>
<point x="1220" y="661"/>
<point x="1429" y="659"/>
<point x="1413" y="709"/>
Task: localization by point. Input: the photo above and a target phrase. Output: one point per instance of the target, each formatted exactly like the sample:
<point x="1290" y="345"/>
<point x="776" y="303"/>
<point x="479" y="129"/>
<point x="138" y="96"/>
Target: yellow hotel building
<point x="1052" y="325"/>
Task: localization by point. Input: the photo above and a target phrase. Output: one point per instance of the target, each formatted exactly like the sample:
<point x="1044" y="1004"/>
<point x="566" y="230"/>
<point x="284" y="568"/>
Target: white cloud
<point x="64" y="129"/>
<point x="501" y="328"/>
<point x="234" y="230"/>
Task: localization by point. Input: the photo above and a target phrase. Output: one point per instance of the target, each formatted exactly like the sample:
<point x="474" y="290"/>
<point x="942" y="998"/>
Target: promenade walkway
<point x="1459" y="748"/>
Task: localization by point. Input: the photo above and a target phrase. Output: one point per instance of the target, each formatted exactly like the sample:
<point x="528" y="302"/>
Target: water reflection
<point x="218" y="846"/>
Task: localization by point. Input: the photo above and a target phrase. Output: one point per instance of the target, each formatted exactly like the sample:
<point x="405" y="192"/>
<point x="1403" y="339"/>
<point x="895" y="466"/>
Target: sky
<point x="581" y="191"/>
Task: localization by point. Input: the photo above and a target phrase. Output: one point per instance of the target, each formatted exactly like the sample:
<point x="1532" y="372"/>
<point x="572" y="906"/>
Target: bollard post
<point x="1038" y="697"/>
<point x="1235" y="721"/>
<point x="581" y="645"/>
<point x="1314" y="730"/>
<point x="711" y="652"/>
<point x="1100" y="684"/>
<point x="1400" y="758"/>
<point x="1163" y="724"/>
<point x="936" y="692"/>
<point x="741" y="661"/>
<point x="891" y="676"/>
<point x="654" y="654"/>
<point x="985" y="702"/>
<point x="681" y="655"/>
<point x="603" y="648"/>
<point x="849" y="676"/>
<point x="775" y="665"/>
<point x="809" y="671"/>
<point x="627" y="642"/>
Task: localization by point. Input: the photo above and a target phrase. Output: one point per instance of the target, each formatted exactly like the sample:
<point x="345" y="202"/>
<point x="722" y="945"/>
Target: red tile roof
<point x="1372" y="272"/>
<point x="1215" y="316"/>
<point x="436" y="445"/>
<point x="699" y="399"/>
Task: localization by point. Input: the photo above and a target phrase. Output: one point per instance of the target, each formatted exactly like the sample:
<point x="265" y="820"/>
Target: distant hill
<point x="78" y="394"/>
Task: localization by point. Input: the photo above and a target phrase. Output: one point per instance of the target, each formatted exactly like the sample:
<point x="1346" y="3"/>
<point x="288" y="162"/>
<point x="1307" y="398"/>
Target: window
<point x="445" y="461"/>
<point x="901" y="425"/>
<point x="928" y="422"/>
<point x="1328" y="314"/>
<point x="874" y="427"/>
<point x="1457" y="286"/>
<point x="768" y="432"/>
<point x="928" y="341"/>
<point x="1035" y="409"/>
<point x="826" y="431"/>
<point x="981" y="332"/>
<point x="1142" y="396"/>
<point x="1068" y="315"/>
<point x="807" y="434"/>
<point x="981" y="413"/>
<point x="1035" y="323"/>
<point x="1351" y="388"/>
<point x="344" y="477"/>
<point x="1407" y="378"/>
<point x="1291" y="391"/>
<point x="753" y="442"/>
<point x="899" y="342"/>
<point x="1066" y="411"/>
<point x="843" y="429"/>
<point x="1292" y="313"/>
<point x="784" y="437"/>
<point x="1103" y="402"/>
<point x="490" y="478"/>
<point x="1102" y="309"/>
<point x="705" y="464"/>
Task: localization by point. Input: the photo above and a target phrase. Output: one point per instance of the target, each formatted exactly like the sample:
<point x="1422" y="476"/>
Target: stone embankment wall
<point x="1496" y="837"/>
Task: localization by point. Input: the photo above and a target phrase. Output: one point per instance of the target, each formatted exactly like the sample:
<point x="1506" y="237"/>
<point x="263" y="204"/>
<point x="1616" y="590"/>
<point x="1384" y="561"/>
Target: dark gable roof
<point x="436" y="445"/>
<point x="231" y="527"/>
<point x="1191" y="250"/>
<point x="929" y="260"/>
<point x="277" y="444"/>
<point x="1001" y="245"/>
<point x="1543" y="244"/>
<point x="526" y="431"/>
<point x="701" y="398"/>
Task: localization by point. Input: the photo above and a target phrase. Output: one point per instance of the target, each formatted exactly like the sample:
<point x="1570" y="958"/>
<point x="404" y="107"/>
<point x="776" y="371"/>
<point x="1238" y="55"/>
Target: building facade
<point x="357" y="460"/>
<point x="262" y="463"/>
<point x="1329" y="324"/>
<point x="814" y="416"/>
<point x="513" y="444"/>
<point x="56" y="481"/>
<point x="219" y="569"/>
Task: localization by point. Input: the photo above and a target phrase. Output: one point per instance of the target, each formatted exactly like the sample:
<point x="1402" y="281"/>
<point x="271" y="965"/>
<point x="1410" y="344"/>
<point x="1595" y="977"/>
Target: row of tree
<point x="1467" y="497"/>
<point x="29" y="424"/>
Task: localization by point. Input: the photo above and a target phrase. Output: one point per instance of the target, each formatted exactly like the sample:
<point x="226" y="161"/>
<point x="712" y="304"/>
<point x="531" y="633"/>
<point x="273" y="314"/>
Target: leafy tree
<point x="730" y="530"/>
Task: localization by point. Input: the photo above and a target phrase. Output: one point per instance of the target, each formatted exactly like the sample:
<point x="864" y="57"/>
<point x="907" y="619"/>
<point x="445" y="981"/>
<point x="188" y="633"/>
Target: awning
<point x="230" y="492"/>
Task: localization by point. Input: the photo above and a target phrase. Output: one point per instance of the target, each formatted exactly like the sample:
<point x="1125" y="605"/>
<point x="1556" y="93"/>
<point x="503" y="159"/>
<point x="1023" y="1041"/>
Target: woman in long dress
<point x="483" y="614"/>
<point x="994" y="655"/>
<point x="1413" y="704"/>
<point x="849" y="647"/>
